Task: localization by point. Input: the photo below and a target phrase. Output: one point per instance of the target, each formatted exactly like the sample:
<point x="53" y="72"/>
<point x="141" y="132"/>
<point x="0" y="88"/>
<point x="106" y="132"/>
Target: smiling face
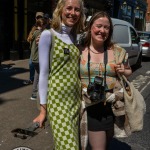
<point x="71" y="12"/>
<point x="100" y="30"/>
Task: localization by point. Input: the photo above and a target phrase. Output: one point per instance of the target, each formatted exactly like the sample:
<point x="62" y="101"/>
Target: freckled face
<point x="100" y="29"/>
<point x="71" y="12"/>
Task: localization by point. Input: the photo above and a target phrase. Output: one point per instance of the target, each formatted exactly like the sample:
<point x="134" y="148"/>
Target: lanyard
<point x="105" y="63"/>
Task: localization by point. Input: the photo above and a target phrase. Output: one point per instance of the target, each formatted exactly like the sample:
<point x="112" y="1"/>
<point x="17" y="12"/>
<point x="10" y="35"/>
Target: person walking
<point x="59" y="85"/>
<point x="49" y="20"/>
<point x="29" y="39"/>
<point x="98" y="70"/>
<point x="41" y="24"/>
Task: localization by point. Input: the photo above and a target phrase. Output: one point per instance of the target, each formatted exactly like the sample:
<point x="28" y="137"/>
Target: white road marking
<point x="144" y="87"/>
<point x="148" y="72"/>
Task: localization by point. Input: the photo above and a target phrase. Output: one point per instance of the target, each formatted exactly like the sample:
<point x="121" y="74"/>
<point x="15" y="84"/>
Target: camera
<point x="96" y="90"/>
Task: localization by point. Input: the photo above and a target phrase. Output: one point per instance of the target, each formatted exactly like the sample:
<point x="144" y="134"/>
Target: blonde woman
<point x="59" y="89"/>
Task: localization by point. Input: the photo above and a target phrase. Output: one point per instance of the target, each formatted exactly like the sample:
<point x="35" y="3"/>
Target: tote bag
<point x="135" y="106"/>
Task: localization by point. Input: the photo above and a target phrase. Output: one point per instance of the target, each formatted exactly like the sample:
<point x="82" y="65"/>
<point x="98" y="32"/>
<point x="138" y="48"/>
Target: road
<point x="17" y="110"/>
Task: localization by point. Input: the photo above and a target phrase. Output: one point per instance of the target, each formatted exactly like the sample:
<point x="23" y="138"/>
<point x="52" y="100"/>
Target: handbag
<point x="134" y="103"/>
<point x="128" y="104"/>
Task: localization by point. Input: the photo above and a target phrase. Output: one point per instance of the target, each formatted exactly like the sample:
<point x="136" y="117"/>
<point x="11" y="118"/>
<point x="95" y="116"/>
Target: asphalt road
<point x="18" y="111"/>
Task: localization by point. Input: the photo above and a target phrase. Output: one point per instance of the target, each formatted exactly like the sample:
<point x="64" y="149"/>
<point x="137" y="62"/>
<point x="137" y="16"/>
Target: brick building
<point x="148" y="16"/>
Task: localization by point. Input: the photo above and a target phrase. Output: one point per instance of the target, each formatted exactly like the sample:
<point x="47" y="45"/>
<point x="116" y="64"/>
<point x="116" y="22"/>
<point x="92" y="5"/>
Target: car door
<point x="125" y="36"/>
<point x="121" y="36"/>
<point x="135" y="48"/>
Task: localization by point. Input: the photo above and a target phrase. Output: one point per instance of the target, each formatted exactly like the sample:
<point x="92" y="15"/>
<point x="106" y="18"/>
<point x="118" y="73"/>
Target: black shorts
<point x="100" y="117"/>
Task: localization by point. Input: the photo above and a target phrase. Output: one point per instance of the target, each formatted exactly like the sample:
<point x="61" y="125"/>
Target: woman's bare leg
<point x="97" y="140"/>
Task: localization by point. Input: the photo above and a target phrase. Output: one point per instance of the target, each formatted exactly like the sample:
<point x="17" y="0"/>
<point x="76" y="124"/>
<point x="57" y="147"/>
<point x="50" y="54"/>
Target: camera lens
<point x="94" y="96"/>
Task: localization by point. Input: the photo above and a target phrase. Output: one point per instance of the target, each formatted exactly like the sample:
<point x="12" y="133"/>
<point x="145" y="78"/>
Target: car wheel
<point x="139" y="61"/>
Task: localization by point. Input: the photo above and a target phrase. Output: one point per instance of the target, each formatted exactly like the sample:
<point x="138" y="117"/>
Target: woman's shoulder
<point x="119" y="49"/>
<point x="46" y="33"/>
<point x="120" y="53"/>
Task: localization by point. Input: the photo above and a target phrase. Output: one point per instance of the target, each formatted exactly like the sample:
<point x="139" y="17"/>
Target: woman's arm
<point x="44" y="48"/>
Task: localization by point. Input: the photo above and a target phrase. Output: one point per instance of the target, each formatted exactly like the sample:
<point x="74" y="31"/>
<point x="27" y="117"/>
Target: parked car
<point x="145" y="41"/>
<point x="126" y="36"/>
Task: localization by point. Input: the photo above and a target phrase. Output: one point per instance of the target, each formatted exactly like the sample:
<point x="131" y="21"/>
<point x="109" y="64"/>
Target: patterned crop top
<point x="98" y="69"/>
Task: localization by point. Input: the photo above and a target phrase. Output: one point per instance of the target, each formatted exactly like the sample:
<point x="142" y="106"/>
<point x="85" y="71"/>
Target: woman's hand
<point x="41" y="117"/>
<point x="122" y="69"/>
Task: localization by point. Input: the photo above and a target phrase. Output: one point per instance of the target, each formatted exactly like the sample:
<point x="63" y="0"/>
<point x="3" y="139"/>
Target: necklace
<point x="95" y="52"/>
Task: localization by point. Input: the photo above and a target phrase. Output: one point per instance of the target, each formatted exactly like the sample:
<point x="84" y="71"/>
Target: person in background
<point x="49" y="20"/>
<point x="97" y="45"/>
<point x="31" y="67"/>
<point x="41" y="24"/>
<point x="59" y="86"/>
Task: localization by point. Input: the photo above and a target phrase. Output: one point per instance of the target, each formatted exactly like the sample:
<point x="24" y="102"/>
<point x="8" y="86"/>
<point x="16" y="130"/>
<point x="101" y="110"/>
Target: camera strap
<point x="105" y="63"/>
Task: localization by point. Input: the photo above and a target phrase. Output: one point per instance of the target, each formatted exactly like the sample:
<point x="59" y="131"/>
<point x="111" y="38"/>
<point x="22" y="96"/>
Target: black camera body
<point x="96" y="90"/>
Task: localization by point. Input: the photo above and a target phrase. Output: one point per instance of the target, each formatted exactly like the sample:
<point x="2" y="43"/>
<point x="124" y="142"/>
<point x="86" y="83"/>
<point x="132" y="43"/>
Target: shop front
<point x="93" y="6"/>
<point x="133" y="11"/>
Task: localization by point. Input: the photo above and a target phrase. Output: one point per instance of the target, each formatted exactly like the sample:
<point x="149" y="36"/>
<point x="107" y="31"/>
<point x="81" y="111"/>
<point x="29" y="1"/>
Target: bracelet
<point x="43" y="107"/>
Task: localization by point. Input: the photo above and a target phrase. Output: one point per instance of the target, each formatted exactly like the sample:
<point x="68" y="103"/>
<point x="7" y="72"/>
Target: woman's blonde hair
<point x="57" y="20"/>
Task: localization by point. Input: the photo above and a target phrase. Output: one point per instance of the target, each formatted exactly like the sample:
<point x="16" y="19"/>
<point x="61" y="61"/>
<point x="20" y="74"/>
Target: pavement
<point x="17" y="110"/>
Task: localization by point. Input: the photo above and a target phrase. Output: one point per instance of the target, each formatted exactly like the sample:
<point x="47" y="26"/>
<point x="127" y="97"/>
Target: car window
<point x="133" y="36"/>
<point x="144" y="36"/>
<point x="120" y="34"/>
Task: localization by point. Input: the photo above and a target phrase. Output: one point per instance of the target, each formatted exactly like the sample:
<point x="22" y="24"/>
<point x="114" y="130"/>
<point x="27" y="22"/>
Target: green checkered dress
<point x="64" y="96"/>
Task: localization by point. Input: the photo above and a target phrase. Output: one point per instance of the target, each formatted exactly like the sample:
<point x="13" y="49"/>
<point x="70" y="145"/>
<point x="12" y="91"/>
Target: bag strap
<point x="51" y="48"/>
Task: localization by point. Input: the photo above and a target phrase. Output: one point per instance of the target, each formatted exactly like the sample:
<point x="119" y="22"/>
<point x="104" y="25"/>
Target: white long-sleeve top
<point x="44" y="56"/>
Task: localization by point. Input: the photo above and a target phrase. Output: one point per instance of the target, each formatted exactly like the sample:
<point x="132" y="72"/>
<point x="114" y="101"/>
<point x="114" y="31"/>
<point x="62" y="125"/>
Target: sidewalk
<point x="17" y="110"/>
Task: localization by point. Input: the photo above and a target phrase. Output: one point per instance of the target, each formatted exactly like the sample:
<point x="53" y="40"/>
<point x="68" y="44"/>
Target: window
<point x="120" y="34"/>
<point x="144" y="36"/>
<point x="133" y="36"/>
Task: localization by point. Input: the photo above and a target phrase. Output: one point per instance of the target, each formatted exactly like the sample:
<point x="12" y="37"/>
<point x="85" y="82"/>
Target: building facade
<point x="133" y="11"/>
<point x="18" y="17"/>
<point x="148" y="16"/>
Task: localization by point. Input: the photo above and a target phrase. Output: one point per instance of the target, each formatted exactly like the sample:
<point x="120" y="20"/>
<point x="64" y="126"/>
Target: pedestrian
<point x="47" y="17"/>
<point x="29" y="38"/>
<point x="59" y="86"/>
<point x="41" y="24"/>
<point x="98" y="72"/>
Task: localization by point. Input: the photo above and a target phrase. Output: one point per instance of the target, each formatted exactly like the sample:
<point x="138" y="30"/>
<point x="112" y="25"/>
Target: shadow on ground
<point x="119" y="145"/>
<point x="116" y="145"/>
<point x="146" y="59"/>
<point x="8" y="79"/>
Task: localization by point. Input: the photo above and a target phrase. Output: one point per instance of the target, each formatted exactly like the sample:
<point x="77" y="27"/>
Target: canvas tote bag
<point x="135" y="106"/>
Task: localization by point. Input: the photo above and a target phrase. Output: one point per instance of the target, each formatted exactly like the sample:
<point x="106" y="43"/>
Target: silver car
<point x="126" y="36"/>
<point x="145" y="41"/>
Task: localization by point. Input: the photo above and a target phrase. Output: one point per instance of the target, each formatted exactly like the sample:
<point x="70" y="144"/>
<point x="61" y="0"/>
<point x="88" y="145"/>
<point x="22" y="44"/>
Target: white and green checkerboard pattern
<point x="64" y="96"/>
